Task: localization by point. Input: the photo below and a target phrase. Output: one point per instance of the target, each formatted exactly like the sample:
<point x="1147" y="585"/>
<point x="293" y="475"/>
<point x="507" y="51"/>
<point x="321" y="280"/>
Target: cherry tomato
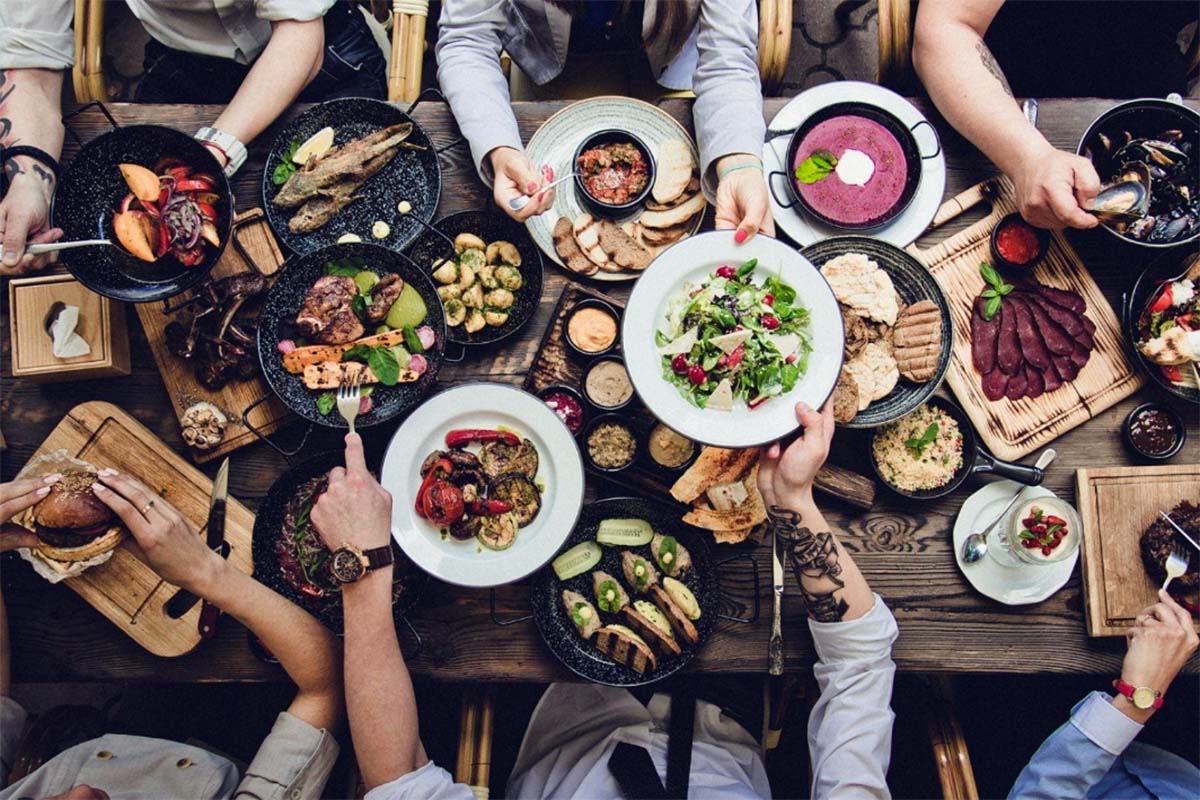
<point x="679" y="364"/>
<point x="1162" y="302"/>
<point x="443" y="503"/>
<point x="696" y="374"/>
<point x="770" y="321"/>
<point x="1173" y="373"/>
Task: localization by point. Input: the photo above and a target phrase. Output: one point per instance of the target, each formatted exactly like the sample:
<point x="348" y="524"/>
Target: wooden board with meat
<point x="1036" y="352"/>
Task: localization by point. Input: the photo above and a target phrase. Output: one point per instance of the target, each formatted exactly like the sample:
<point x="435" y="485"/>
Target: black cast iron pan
<point x="1134" y="302"/>
<point x="413" y="175"/>
<point x="91" y="189"/>
<point x="408" y="581"/>
<point x="976" y="460"/>
<point x="555" y="626"/>
<point x="285" y="298"/>
<point x="490" y="225"/>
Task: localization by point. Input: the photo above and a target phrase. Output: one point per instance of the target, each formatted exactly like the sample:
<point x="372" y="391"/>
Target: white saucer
<point x="1014" y="586"/>
<point x="912" y="222"/>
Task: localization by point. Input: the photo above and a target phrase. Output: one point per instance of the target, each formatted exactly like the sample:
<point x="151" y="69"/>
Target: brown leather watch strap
<point x="379" y="557"/>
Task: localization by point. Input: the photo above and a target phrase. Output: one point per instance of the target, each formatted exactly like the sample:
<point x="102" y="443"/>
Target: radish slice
<point x="285" y="346"/>
<point x="426" y="335"/>
<point x="364" y="405"/>
<point x="418" y="364"/>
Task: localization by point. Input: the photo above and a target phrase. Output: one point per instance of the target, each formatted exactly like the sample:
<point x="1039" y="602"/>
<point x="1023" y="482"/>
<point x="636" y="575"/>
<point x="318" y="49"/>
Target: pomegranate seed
<point x="770" y="321"/>
<point x="1047" y="551"/>
<point x="696" y="374"/>
<point x="790" y="359"/>
<point x="726" y="272"/>
<point x="679" y="364"/>
<point x="723" y="361"/>
<point x="769" y="299"/>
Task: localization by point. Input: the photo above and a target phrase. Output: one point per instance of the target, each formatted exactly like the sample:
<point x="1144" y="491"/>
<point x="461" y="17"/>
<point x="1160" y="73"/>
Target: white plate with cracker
<point x="674" y="211"/>
<point x="692" y="261"/>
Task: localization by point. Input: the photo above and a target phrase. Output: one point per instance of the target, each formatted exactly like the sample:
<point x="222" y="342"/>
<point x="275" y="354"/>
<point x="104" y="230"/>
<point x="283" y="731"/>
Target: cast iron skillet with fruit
<point x="92" y="188"/>
<point x="556" y="628"/>
<point x="276" y="322"/>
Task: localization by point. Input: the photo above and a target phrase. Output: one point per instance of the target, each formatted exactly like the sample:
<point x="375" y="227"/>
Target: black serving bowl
<point x="648" y="459"/>
<point x="611" y="136"/>
<point x="573" y="394"/>
<point x="619" y="419"/>
<point x="1043" y="237"/>
<point x="1134" y="302"/>
<point x="1175" y="419"/>
<point x="92" y="187"/>
<point x="591" y="302"/>
<point x="583" y="383"/>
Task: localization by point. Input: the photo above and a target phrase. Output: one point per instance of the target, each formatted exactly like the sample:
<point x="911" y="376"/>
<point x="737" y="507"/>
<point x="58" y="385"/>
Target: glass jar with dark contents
<point x="1153" y="431"/>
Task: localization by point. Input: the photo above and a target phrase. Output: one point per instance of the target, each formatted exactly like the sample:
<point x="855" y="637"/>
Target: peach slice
<point x="141" y="181"/>
<point x="208" y="232"/>
<point x="132" y="229"/>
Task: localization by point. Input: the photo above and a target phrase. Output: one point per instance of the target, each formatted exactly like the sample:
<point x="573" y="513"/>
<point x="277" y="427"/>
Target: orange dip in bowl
<point x="592" y="330"/>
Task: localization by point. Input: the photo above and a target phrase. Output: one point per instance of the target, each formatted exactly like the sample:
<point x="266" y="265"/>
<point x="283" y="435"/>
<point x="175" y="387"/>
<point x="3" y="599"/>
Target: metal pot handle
<point x="504" y="622"/>
<point x="771" y="186"/>
<point x="433" y="91"/>
<point x="986" y="463"/>
<point x="80" y="110"/>
<point x="287" y="454"/>
<point x="937" y="140"/>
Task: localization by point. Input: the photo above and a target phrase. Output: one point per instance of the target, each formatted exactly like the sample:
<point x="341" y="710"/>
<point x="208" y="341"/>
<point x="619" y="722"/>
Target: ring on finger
<point x="146" y="508"/>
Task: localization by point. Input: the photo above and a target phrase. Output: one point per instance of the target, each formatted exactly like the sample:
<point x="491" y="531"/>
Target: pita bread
<point x="732" y="537"/>
<point x="714" y="466"/>
<point x="858" y="282"/>
<point x="664" y="236"/>
<point x="678" y="201"/>
<point x="568" y="249"/>
<point x="674" y="166"/>
<point x="747" y="515"/>
<point x="673" y="216"/>
<point x="587" y="236"/>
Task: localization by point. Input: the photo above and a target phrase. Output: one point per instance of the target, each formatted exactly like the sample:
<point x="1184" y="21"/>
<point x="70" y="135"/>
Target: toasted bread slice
<point x="568" y="249"/>
<point x="622" y="248"/>
<point x="599" y="577"/>
<point x="626" y="648"/>
<point x="659" y="642"/>
<point x="683" y="627"/>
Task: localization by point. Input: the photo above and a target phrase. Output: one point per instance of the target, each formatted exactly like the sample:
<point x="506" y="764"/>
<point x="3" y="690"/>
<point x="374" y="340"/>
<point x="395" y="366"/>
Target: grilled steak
<point x="1160" y="538"/>
<point x="327" y="316"/>
<point x="383" y="294"/>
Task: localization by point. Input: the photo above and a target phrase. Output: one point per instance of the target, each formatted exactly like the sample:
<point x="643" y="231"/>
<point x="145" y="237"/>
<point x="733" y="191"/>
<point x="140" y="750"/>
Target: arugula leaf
<point x="411" y="340"/>
<point x="745" y="269"/>
<point x="286" y="167"/>
<point x="385" y="365"/>
<point x="358" y="352"/>
<point x="816" y="167"/>
<point x="343" y="267"/>
<point x="918" y="445"/>
<point x="325" y="402"/>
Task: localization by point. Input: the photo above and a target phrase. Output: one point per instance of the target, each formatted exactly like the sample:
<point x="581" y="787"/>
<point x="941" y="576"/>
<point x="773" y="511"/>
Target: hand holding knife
<point x="182" y="601"/>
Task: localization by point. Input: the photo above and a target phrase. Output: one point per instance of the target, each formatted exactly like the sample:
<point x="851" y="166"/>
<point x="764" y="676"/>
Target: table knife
<point x="183" y="600"/>
<point x="775" y="647"/>
<point x="1179" y="530"/>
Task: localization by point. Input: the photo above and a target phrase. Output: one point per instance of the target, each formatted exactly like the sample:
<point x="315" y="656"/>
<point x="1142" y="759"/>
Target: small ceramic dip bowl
<point x="1154" y="432"/>
<point x="1018" y="245"/>
<point x="591" y="328"/>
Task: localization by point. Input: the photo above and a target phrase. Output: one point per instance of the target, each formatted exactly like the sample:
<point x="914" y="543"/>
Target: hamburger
<point x="71" y="523"/>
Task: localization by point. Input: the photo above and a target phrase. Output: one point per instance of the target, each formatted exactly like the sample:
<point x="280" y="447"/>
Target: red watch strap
<point x="1128" y="689"/>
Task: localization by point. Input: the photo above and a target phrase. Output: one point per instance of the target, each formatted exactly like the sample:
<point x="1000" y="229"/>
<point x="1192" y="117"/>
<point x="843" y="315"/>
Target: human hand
<point x="1162" y="640"/>
<point x="355" y="509"/>
<point x="172" y="547"/>
<point x="1054" y="187"/>
<point x="25" y="219"/>
<point x="15" y="497"/>
<point x="514" y="176"/>
<point x="785" y="476"/>
<point x="742" y="200"/>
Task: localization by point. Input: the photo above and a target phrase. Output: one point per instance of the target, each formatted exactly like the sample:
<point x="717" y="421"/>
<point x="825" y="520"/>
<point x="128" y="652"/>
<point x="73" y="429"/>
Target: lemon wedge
<point x="314" y="145"/>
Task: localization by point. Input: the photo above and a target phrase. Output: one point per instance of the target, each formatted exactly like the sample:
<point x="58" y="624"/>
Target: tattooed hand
<point x="785" y="476"/>
<point x="25" y="216"/>
<point x="815" y="564"/>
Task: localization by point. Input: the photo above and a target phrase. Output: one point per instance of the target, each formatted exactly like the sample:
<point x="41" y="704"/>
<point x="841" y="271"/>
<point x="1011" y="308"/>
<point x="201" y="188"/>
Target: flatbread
<point x="674" y="166"/>
<point x="845" y="398"/>
<point x="917" y="338"/>
<point x="876" y="360"/>
<point x="673" y="216"/>
<point x="732" y="537"/>
<point x="857" y="332"/>
<point x="714" y="466"/>
<point x="664" y="236"/>
<point x="858" y="282"/>
<point x="678" y="201"/>
<point x="568" y="249"/>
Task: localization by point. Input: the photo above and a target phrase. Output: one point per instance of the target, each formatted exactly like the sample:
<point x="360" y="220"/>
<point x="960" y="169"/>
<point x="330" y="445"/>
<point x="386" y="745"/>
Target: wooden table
<point x="904" y="550"/>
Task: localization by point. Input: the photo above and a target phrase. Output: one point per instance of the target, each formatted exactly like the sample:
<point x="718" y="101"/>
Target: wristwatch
<point x="227" y="143"/>
<point x="351" y="564"/>
<point x="1142" y="697"/>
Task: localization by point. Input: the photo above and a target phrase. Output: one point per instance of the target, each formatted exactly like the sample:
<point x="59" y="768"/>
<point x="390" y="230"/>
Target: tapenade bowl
<point x="486" y="481"/>
<point x="611" y="443"/>
<point x="606" y="383"/>
<point x="614" y="172"/>
<point x="591" y="328"/>
<point x="568" y="405"/>
<point x="667" y="450"/>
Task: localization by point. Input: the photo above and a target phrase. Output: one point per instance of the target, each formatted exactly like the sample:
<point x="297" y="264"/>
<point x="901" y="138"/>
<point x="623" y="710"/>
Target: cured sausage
<point x="1065" y="368"/>
<point x="1072" y="301"/>
<point x="1058" y="340"/>
<point x="1033" y="348"/>
<point x="1035" y="384"/>
<point x="1050" y="378"/>
<point x="994" y="384"/>
<point x="1008" y="350"/>
<point x="984" y="335"/>
<point x="1080" y="355"/>
<point x="1016" y="386"/>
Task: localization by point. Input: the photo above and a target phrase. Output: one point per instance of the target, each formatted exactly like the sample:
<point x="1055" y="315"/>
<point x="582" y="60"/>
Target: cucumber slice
<point x="364" y="280"/>
<point x="403" y="357"/>
<point x="576" y="561"/>
<point x="409" y="309"/>
<point x="624" y="532"/>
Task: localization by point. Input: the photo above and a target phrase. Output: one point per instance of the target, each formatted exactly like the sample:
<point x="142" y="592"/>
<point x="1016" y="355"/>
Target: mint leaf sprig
<point x="918" y="444"/>
<point x="997" y="289"/>
<point x="816" y="167"/>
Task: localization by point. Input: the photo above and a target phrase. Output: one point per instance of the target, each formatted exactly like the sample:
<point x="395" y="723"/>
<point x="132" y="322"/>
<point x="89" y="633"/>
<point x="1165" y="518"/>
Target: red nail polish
<point x="540" y="196"/>
<point x="532" y="187"/>
<point x="740" y="236"/>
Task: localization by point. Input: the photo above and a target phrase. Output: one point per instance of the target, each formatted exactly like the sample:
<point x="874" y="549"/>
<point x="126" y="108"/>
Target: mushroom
<point x="203" y="426"/>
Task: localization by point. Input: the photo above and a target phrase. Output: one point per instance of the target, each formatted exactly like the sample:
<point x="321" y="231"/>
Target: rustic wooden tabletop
<point x="904" y="549"/>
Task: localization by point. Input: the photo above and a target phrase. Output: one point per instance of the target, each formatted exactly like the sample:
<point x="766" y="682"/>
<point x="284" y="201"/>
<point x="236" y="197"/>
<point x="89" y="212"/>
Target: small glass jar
<point x="1028" y="533"/>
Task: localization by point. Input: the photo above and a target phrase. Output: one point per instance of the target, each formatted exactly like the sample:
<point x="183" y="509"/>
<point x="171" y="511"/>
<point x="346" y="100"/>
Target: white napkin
<point x="68" y="343"/>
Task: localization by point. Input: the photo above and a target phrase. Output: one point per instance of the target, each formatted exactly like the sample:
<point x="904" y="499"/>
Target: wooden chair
<point x="88" y="73"/>
<point x="476" y="723"/>
<point x="950" y="755"/>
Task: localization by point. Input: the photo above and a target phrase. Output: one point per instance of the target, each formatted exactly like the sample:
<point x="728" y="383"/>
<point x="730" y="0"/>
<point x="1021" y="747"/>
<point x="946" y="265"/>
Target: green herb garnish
<point x="411" y="340"/>
<point x="385" y="365"/>
<point x="996" y="290"/>
<point x="344" y="267"/>
<point x="918" y="445"/>
<point x="326" y="402"/>
<point x="816" y="167"/>
<point x="286" y="167"/>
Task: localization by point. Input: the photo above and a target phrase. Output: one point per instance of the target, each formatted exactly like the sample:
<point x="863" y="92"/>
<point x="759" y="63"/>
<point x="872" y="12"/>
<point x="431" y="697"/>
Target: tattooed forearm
<point x="814" y="560"/>
<point x="7" y="86"/>
<point x="989" y="63"/>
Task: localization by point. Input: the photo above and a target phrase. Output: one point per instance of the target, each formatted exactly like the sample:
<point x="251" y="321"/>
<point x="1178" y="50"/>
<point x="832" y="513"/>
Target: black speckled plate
<point x="556" y="627"/>
<point x="413" y="175"/>
<point x="283" y="302"/>
<point x="92" y="188"/>
<point x="267" y="526"/>
<point x="913" y="282"/>
<point x="1134" y="303"/>
<point x="491" y="226"/>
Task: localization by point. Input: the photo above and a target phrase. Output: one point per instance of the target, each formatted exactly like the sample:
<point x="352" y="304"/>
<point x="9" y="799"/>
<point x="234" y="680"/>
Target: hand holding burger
<point x="15" y="497"/>
<point x="69" y="522"/>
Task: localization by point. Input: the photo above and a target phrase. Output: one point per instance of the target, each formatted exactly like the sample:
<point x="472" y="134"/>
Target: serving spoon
<point x="975" y="546"/>
<point x="51" y="247"/>
<point x="520" y="201"/>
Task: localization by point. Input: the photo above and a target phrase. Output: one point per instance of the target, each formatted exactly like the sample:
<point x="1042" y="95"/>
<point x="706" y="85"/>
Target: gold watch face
<point x="1143" y="697"/>
<point x="347" y="565"/>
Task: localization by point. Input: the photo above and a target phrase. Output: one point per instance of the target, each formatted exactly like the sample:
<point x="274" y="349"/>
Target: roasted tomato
<point x="443" y="503"/>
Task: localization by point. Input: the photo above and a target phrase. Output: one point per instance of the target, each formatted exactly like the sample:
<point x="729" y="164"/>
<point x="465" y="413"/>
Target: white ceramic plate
<point x="560" y="471"/>
<point x="555" y="142"/>
<point x="1013" y="586"/>
<point x="692" y="260"/>
<point x="905" y="228"/>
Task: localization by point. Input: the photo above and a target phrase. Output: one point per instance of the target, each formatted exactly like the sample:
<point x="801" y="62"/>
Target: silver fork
<point x="349" y="395"/>
<point x="1177" y="564"/>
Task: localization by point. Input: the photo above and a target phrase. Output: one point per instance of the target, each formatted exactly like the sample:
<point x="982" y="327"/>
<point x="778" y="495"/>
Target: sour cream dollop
<point x="854" y="167"/>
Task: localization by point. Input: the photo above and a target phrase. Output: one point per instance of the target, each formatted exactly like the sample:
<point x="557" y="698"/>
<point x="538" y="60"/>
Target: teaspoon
<point x="975" y="546"/>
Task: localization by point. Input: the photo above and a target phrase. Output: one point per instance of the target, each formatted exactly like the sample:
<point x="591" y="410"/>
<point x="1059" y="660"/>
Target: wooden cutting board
<point x="1117" y="504"/>
<point x="124" y="588"/>
<point x="252" y="242"/>
<point x="1012" y="429"/>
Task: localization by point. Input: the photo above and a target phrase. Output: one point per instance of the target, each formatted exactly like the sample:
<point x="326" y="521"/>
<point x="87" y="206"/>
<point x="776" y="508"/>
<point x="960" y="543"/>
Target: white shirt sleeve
<point x="12" y="725"/>
<point x="298" y="10"/>
<point x="36" y="35"/>
<point x="429" y="782"/>
<point x="850" y="728"/>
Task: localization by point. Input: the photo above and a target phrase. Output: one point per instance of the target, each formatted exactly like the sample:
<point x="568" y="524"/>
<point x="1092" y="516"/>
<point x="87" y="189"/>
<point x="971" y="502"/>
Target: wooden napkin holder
<point x="101" y="324"/>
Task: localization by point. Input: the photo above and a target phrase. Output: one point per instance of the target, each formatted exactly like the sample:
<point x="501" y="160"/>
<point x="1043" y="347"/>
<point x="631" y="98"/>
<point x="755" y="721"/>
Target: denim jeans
<point x="353" y="66"/>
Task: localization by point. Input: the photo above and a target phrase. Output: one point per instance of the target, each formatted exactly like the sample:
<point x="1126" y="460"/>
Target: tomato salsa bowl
<point x="614" y="172"/>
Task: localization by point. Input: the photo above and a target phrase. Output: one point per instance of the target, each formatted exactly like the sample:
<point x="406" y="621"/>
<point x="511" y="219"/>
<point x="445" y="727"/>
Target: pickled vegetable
<point x="624" y="532"/>
<point x="579" y="559"/>
<point x="409" y="309"/>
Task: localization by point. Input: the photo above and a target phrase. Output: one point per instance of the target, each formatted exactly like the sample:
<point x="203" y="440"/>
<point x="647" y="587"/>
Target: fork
<point x="1177" y="564"/>
<point x="349" y="397"/>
